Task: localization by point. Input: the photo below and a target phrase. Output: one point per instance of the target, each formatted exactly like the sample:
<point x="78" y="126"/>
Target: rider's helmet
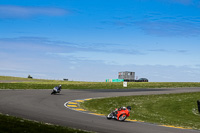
<point x="129" y="107"/>
<point x="59" y="85"/>
<point x="124" y="108"/>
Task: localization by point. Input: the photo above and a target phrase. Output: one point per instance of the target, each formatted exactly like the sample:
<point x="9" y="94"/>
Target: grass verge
<point x="94" y="85"/>
<point x="10" y="124"/>
<point x="49" y="84"/>
<point x="179" y="110"/>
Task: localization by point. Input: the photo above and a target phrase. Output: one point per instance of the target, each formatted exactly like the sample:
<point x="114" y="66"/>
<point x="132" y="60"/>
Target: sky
<point x="93" y="40"/>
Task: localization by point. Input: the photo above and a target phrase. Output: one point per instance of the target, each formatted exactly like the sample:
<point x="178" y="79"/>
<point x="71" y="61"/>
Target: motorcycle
<point x="56" y="89"/>
<point x="120" y="114"/>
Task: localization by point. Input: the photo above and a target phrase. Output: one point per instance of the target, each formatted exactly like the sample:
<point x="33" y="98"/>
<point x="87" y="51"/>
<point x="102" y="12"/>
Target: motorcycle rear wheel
<point x="122" y="117"/>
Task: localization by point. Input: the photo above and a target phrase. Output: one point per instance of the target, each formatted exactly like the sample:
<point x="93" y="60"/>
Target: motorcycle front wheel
<point x="110" y="116"/>
<point x="53" y="92"/>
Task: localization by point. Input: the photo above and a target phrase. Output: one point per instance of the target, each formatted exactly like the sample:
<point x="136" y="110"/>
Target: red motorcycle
<point x="120" y="114"/>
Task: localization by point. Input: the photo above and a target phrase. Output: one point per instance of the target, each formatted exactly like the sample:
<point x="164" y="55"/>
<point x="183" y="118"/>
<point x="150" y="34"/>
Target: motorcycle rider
<point x="56" y="89"/>
<point x="119" y="109"/>
<point x="59" y="88"/>
<point x="123" y="108"/>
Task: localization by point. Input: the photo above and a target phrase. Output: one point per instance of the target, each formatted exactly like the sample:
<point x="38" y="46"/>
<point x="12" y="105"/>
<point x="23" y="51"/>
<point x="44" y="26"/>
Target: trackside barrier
<point x="198" y="104"/>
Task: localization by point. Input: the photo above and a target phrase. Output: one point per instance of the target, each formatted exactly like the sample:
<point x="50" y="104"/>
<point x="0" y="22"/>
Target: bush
<point x="29" y="76"/>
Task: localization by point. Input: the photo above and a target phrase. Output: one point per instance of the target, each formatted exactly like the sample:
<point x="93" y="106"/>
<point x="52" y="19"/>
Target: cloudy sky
<point x="92" y="40"/>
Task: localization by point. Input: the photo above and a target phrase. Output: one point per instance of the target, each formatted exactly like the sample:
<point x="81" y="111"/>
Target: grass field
<point x="169" y="109"/>
<point x="10" y="124"/>
<point x="20" y="79"/>
<point x="49" y="84"/>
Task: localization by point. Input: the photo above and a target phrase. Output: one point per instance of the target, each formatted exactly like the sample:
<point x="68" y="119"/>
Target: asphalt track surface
<point x="39" y="105"/>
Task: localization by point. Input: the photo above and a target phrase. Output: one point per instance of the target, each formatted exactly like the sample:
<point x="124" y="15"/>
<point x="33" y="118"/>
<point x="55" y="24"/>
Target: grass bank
<point x="7" y="78"/>
<point x="26" y="83"/>
<point x="169" y="109"/>
<point x="10" y="124"/>
<point x="94" y="85"/>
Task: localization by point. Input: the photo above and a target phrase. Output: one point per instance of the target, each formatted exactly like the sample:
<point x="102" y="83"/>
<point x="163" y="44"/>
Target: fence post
<point x="198" y="104"/>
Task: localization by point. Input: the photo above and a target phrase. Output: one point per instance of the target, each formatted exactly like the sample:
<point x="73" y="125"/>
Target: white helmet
<point x="124" y="108"/>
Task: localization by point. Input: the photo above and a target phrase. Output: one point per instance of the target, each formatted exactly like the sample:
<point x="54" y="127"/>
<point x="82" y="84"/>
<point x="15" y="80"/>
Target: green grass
<point x="168" y="109"/>
<point x="94" y="85"/>
<point x="19" y="78"/>
<point x="49" y="84"/>
<point x="10" y="124"/>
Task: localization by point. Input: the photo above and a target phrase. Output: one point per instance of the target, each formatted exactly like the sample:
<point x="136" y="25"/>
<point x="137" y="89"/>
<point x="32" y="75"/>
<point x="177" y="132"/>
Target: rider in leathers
<point x="119" y="109"/>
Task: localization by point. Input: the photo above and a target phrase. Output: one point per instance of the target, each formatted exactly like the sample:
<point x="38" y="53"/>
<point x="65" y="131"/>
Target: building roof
<point x="126" y="71"/>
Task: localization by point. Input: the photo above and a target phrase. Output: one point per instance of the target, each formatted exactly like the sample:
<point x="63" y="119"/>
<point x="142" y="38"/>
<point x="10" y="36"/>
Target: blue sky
<point x="92" y="40"/>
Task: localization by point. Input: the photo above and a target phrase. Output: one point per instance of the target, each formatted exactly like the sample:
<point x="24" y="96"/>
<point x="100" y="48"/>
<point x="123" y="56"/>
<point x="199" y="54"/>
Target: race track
<point x="39" y="105"/>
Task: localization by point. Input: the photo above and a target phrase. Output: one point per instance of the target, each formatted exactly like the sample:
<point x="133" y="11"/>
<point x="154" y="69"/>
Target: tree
<point x="29" y="76"/>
